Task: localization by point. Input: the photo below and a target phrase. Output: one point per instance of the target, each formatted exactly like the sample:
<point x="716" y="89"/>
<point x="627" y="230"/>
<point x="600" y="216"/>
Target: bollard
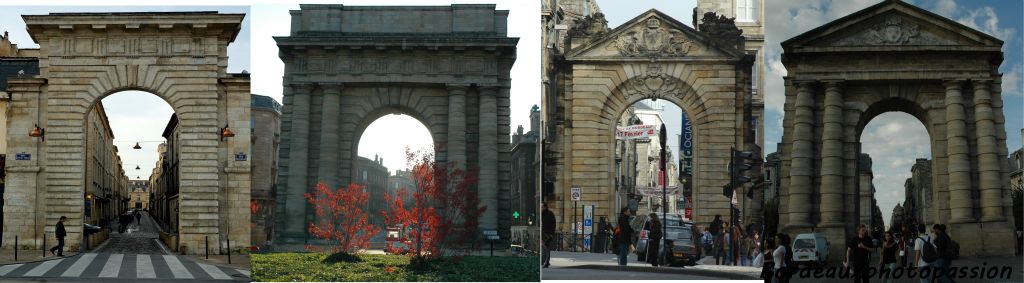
<point x="207" y="247"/>
<point x="229" y="249"/>
<point x="15" y="248"/>
<point x="44" y="244"/>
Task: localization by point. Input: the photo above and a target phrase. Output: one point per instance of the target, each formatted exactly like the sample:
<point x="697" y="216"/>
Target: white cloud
<point x="985" y="20"/>
<point x="1012" y="81"/>
<point x="946" y="8"/>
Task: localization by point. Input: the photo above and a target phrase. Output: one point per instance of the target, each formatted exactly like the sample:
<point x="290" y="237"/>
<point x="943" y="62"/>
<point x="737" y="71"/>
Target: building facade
<point x="525" y="172"/>
<point x="266" y="140"/>
<point x="139" y="198"/>
<point x="346" y="66"/>
<point x="592" y="73"/>
<point x="373" y="176"/>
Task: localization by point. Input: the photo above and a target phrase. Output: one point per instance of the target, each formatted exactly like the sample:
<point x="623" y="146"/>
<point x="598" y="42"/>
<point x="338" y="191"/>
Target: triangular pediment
<point x="893" y="23"/>
<point x="651" y="34"/>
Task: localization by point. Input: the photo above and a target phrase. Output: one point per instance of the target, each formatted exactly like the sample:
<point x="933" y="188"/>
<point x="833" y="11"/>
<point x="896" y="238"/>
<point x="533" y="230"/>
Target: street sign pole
<point x="575" y="228"/>
<point x="664" y="194"/>
<point x="732" y="184"/>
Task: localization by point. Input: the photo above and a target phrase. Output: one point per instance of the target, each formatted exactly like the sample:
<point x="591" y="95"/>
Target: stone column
<point x="298" y="159"/>
<point x="832" y="156"/>
<point x="329" y="139"/>
<point x="488" y="157"/>
<point x="801" y="170"/>
<point x="957" y="152"/>
<point x="988" y="160"/>
<point x="456" y="146"/>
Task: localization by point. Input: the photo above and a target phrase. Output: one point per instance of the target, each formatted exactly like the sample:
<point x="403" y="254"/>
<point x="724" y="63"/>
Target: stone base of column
<point x="955" y="220"/>
<point x="837" y="238"/>
<point x="983" y="239"/>
<point x="997" y="218"/>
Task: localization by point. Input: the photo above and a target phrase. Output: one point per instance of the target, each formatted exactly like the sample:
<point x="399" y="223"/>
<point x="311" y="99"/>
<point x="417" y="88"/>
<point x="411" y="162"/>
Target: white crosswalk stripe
<point x="213" y="271"/>
<point x="177" y="268"/>
<point x="112" y="267"/>
<point x="8" y="268"/>
<point x="145" y="267"/>
<point x="42" y="268"/>
<point x="76" y="269"/>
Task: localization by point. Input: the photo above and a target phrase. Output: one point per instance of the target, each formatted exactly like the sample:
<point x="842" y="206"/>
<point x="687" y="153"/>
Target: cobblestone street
<point x="139" y="238"/>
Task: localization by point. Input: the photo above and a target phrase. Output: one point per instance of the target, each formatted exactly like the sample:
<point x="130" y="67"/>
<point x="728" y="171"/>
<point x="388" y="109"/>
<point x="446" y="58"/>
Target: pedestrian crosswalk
<point x="123" y="266"/>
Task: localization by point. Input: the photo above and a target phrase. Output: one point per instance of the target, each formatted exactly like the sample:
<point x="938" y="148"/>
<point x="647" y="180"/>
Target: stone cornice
<point x="197" y="21"/>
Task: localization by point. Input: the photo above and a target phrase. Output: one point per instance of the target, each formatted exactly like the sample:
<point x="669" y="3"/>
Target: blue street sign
<point x="588" y="222"/>
<point x="586" y="242"/>
<point x="22" y="156"/>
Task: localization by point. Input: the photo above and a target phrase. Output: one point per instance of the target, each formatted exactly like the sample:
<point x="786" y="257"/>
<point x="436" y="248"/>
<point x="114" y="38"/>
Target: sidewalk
<point x="237" y="260"/>
<point x="27" y="256"/>
<point x="610" y="262"/>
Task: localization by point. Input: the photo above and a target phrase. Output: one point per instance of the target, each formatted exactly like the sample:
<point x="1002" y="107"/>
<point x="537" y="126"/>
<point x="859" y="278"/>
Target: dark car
<point x="683" y="250"/>
<point x="90" y="229"/>
<point x="679" y="231"/>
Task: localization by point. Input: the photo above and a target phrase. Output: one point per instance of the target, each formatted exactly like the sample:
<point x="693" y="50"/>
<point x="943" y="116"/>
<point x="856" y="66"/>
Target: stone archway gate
<point x="180" y="57"/>
<point x="894" y="56"/>
<point x="706" y="73"/>
<point x="346" y="66"/>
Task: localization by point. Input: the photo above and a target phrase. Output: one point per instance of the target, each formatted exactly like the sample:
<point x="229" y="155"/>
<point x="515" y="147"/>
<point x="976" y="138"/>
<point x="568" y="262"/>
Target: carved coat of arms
<point x="653" y="40"/>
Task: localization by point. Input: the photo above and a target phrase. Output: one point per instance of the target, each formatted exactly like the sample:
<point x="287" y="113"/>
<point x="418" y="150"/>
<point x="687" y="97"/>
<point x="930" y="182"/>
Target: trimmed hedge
<point x="280" y="267"/>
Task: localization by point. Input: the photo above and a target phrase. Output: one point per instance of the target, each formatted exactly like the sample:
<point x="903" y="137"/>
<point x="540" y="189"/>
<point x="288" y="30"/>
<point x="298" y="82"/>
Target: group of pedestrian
<point x="933" y="253"/>
<point x="127" y="218"/>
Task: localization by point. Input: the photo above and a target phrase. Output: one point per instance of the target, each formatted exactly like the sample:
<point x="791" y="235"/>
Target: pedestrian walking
<point x="138" y="217"/>
<point x="887" y="262"/>
<point x="548" y="229"/>
<point x="624" y="236"/>
<point x="602" y="234"/>
<point x="61" y="233"/>
<point x="858" y="254"/>
<point x="924" y="254"/>
<point x="768" y="264"/>
<point x="947" y="251"/>
<point x="653" y="239"/>
<point x="727" y="245"/>
<point x="783" y="259"/>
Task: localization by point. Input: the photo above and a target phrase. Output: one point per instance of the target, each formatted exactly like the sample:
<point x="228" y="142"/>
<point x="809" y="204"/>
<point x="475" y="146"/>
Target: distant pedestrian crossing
<point x="123" y="266"/>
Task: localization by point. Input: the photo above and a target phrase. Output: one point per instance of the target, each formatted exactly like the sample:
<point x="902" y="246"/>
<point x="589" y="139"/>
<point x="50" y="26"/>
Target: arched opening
<point x="382" y="164"/>
<point x="897" y="147"/>
<point x="130" y="177"/>
<point x="638" y="174"/>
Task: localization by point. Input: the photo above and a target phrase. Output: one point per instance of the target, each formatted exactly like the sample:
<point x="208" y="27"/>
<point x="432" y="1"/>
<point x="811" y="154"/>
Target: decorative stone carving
<point x="654" y="85"/>
<point x="654" y="40"/>
<point x="892" y="31"/>
<point x="589" y="25"/>
<point x="719" y="25"/>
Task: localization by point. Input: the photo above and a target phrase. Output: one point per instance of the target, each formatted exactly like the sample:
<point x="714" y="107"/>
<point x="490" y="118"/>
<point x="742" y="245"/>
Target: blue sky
<point x="892" y="156"/>
<point x="134" y="116"/>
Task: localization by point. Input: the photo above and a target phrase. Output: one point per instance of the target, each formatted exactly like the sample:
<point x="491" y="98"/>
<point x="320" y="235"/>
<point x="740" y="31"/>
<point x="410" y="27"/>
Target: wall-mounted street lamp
<point x="38" y="132"/>
<point x="226" y="133"/>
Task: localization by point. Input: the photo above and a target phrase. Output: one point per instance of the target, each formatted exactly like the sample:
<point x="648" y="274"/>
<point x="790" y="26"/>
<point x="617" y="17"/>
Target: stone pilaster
<point x="801" y="170"/>
<point x="488" y="157"/>
<point x="832" y="156"/>
<point x="328" y="169"/>
<point x="294" y="227"/>
<point x="959" y="161"/>
<point x="24" y="217"/>
<point x="456" y="146"/>
<point x="988" y="160"/>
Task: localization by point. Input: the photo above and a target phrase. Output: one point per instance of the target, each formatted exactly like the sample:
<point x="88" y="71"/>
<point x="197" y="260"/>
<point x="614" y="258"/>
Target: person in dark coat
<point x="858" y="254"/>
<point x="61" y="233"/>
<point x="624" y="236"/>
<point x="138" y="217"/>
<point x="548" y="231"/>
<point x="653" y="239"/>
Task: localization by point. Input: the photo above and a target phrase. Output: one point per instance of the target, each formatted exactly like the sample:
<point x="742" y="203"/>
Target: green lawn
<point x="311" y="267"/>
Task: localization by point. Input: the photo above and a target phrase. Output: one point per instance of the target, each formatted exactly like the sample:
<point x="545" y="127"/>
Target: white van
<point x="810" y="249"/>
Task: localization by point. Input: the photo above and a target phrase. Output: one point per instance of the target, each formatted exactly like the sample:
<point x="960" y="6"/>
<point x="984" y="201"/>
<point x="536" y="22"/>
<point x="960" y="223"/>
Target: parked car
<point x="810" y="250"/>
<point x="674" y="222"/>
<point x="683" y="250"/>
